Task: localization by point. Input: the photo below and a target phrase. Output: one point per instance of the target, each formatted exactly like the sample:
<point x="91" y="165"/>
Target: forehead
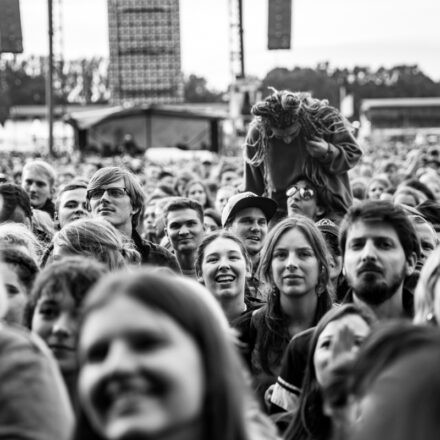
<point x="73" y="194"/>
<point x="222" y="244"/>
<point x="195" y="186"/>
<point x="252" y="212"/>
<point x="292" y="238"/>
<point x="134" y="318"/>
<point x="183" y="215"/>
<point x="425" y="230"/>
<point x="36" y="173"/>
<point x="285" y="131"/>
<point x="361" y="229"/>
<point x="353" y="321"/>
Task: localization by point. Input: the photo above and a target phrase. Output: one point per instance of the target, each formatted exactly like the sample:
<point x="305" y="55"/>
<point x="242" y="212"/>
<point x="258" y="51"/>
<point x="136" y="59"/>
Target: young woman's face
<point x="375" y="190"/>
<point x="295" y="268"/>
<point x="141" y="374"/>
<point x="303" y="200"/>
<point x="55" y="319"/>
<point x="196" y="192"/>
<point x="17" y="295"/>
<point x="224" y="268"/>
<point x="348" y="331"/>
<point x="210" y="224"/>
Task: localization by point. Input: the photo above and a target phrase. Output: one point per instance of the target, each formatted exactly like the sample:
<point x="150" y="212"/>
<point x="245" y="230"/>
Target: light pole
<point x="49" y="78"/>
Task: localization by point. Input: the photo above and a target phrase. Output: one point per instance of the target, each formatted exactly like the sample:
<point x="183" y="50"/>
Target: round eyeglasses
<point x="304" y="193"/>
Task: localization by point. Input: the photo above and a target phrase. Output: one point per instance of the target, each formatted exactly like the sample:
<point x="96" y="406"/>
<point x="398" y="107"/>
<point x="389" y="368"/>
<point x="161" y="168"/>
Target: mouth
<point x="60" y="348"/>
<point x="292" y="277"/>
<point x="369" y="269"/>
<point x="224" y="278"/>
<point x="254" y="238"/>
<point x="105" y="210"/>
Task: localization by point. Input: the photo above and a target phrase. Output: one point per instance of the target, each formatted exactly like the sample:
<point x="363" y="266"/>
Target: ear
<point x="410" y="264"/>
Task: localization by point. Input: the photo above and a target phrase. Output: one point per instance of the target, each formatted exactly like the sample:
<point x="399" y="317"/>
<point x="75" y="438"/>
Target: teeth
<point x="225" y="279"/>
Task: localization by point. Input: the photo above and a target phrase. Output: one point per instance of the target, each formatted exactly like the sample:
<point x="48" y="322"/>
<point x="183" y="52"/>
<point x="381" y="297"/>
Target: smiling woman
<point x="156" y="362"/>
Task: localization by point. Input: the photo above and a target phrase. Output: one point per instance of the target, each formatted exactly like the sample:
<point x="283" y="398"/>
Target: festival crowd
<point x="291" y="294"/>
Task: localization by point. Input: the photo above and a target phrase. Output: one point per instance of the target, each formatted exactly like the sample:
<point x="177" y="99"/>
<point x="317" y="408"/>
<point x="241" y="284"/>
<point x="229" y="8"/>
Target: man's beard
<point x="373" y="291"/>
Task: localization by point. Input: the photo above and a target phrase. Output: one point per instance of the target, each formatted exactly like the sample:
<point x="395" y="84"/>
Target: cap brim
<point x="268" y="206"/>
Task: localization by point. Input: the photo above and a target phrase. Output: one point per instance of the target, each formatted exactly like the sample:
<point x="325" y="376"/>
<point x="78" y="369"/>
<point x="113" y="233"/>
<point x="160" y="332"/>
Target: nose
<point x="223" y="263"/>
<point x="119" y="358"/>
<point x="291" y="261"/>
<point x="369" y="251"/>
<point x="183" y="230"/>
<point x="33" y="187"/>
<point x="63" y="326"/>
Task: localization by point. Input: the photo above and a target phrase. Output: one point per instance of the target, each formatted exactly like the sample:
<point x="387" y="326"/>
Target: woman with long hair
<point x="156" y="362"/>
<point x="198" y="191"/>
<point x="294" y="266"/>
<point x="346" y="326"/>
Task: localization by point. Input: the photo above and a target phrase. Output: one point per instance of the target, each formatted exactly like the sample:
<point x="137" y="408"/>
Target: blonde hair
<point x="424" y="295"/>
<point x="98" y="239"/>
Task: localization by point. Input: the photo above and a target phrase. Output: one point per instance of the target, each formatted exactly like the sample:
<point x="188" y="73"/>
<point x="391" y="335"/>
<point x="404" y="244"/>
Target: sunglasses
<point x="304" y="193"/>
<point x="114" y="193"/>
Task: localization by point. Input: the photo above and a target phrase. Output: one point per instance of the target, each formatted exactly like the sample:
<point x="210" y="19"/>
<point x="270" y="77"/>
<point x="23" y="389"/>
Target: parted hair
<point x="97" y="238"/>
<point x="107" y="175"/>
<point x="192" y="307"/>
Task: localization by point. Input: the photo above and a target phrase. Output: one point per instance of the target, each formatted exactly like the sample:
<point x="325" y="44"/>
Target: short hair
<point x="71" y="186"/>
<point x="97" y="238"/>
<point x="107" y="175"/>
<point x="75" y="275"/>
<point x="212" y="213"/>
<point x="431" y="211"/>
<point x="26" y="267"/>
<point x="13" y="196"/>
<point x="424" y="294"/>
<point x="208" y="239"/>
<point x="14" y="235"/>
<point x="179" y="203"/>
<point x="42" y="166"/>
<point x="380" y="211"/>
<point x="197" y="312"/>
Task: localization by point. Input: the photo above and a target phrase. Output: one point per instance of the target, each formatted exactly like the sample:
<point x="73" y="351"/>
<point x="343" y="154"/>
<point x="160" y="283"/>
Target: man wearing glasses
<point x="115" y="195"/>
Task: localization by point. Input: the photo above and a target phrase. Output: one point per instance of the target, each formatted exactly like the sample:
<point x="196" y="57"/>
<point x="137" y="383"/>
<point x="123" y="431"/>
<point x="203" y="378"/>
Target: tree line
<point x="85" y="81"/>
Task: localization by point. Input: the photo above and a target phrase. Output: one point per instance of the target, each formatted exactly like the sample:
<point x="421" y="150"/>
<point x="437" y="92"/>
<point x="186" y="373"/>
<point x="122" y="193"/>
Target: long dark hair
<point x="271" y="320"/>
<point x="310" y="420"/>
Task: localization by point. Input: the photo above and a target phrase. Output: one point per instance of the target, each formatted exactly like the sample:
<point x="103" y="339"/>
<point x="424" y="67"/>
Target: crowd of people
<point x="290" y="294"/>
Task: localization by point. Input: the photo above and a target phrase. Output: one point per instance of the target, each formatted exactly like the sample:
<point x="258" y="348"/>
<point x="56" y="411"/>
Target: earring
<point x="431" y="319"/>
<point x="274" y="291"/>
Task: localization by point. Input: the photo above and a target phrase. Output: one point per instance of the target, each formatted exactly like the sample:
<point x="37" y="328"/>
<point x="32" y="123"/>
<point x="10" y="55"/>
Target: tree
<point x="196" y="90"/>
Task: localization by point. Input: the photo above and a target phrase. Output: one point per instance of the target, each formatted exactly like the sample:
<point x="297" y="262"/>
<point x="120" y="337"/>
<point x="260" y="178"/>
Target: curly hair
<point x="284" y="108"/>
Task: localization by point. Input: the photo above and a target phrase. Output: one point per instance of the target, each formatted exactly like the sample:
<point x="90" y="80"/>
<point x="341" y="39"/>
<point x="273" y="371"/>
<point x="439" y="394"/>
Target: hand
<point x="317" y="147"/>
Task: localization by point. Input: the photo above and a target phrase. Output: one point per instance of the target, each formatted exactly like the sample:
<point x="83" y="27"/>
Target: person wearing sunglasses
<point x="114" y="194"/>
<point x="303" y="198"/>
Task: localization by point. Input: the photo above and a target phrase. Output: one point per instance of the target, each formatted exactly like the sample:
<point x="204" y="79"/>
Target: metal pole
<point x="49" y="79"/>
<point x="240" y="30"/>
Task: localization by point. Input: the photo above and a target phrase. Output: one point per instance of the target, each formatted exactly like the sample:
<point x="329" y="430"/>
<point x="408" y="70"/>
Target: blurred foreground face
<point x="142" y="375"/>
<point x="16" y="291"/>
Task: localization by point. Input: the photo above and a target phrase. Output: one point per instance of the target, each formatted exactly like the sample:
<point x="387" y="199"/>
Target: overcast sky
<point x="343" y="32"/>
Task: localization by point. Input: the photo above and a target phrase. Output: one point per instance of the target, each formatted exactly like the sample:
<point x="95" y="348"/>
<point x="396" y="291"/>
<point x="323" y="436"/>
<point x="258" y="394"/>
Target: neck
<point x="233" y="307"/>
<point x="125" y="229"/>
<point x="300" y="310"/>
<point x="255" y="259"/>
<point x="186" y="260"/>
<point x="391" y="308"/>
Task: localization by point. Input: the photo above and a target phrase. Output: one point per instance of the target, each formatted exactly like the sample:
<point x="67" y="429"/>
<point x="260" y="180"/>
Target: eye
<point x="211" y="260"/>
<point x="279" y="254"/>
<point x="48" y="312"/>
<point x="96" y="353"/>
